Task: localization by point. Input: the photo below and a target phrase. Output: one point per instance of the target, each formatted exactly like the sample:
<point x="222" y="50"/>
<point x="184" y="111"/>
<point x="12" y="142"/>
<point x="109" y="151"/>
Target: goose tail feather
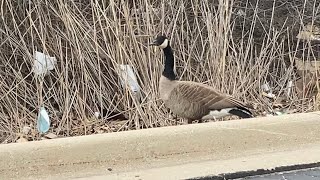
<point x="241" y="112"/>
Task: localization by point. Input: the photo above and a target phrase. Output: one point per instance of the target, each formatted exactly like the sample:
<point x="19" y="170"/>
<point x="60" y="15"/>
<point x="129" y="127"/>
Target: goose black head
<point x="160" y="41"/>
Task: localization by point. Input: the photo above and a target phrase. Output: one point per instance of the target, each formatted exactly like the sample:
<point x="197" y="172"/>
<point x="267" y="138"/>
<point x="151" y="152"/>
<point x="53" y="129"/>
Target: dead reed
<point x="235" y="46"/>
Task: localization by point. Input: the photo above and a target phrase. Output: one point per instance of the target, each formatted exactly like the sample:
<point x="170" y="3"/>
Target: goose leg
<point x="176" y="119"/>
<point x="191" y="121"/>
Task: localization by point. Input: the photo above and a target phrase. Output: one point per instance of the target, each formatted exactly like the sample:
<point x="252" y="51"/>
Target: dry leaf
<point x="26" y="130"/>
<point x="50" y="136"/>
<point x="290" y="111"/>
<point x="22" y="139"/>
<point x="268" y="95"/>
<point x="100" y="131"/>
<point x="310" y="32"/>
<point x="309" y="66"/>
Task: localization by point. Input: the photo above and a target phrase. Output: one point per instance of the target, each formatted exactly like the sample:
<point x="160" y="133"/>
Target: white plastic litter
<point x="128" y="78"/>
<point x="43" y="121"/>
<point x="267" y="91"/>
<point x="265" y="87"/>
<point x="97" y="114"/>
<point x="43" y="63"/>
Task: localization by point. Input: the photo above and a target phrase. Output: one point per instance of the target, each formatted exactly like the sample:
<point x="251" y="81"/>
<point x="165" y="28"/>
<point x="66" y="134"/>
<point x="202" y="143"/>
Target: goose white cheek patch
<point x="164" y="44"/>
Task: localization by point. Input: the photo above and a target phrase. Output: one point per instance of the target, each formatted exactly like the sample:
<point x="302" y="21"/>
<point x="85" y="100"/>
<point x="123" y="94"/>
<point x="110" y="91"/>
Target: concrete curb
<point x="178" y="152"/>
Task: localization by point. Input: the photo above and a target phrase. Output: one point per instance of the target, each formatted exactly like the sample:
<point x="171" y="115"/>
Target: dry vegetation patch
<point x="236" y="46"/>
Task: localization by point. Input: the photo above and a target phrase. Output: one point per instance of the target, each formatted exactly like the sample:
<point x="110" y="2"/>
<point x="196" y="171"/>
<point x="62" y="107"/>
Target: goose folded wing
<point x="207" y="96"/>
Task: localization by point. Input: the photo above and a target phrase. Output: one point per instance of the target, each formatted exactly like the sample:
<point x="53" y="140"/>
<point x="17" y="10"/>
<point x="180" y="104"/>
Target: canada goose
<point x="193" y="100"/>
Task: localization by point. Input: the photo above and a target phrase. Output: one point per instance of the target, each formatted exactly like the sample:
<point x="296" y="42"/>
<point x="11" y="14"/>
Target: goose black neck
<point x="168" y="63"/>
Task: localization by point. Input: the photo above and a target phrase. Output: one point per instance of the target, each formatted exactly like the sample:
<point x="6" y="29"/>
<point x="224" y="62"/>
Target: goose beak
<point x="153" y="43"/>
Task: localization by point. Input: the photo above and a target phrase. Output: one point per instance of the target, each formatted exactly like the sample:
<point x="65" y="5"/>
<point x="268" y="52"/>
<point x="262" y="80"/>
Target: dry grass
<point x="216" y="42"/>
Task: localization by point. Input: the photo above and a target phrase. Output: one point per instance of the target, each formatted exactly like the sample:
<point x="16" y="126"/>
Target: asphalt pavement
<point x="304" y="174"/>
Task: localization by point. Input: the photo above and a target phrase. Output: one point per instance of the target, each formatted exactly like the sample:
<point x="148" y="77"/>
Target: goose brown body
<point x="193" y="100"/>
